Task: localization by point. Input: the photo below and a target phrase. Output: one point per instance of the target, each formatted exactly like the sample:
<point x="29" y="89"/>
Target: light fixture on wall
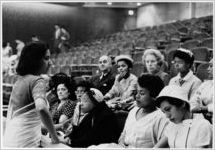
<point x="138" y="4"/>
<point x="109" y="3"/>
<point x="131" y="12"/>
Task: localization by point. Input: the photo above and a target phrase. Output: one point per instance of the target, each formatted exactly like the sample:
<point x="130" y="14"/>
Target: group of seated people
<point x="162" y="112"/>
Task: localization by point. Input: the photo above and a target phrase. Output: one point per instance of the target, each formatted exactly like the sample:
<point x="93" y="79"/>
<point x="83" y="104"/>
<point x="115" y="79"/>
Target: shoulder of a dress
<point x="158" y="114"/>
<point x="201" y="122"/>
<point x="132" y="76"/>
<point x="133" y="110"/>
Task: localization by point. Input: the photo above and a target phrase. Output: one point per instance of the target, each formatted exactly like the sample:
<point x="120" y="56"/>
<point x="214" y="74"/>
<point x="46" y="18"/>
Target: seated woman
<point x="98" y="125"/>
<point x="121" y="95"/>
<point x="145" y="124"/>
<point x="64" y="109"/>
<point x="183" y="60"/>
<point x="184" y="131"/>
<point x="153" y="60"/>
<point x="51" y="91"/>
<point x="202" y="101"/>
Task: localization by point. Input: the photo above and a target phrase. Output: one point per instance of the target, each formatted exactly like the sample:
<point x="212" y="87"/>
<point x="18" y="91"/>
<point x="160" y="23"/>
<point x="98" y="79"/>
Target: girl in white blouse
<point x="184" y="131"/>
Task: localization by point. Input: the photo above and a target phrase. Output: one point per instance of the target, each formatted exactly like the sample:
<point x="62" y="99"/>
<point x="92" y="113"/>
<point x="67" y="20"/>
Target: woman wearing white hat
<point x="98" y="124"/>
<point x="121" y="94"/>
<point x="184" y="131"/>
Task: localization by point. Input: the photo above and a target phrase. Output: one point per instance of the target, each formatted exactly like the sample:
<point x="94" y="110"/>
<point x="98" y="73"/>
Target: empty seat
<point x="208" y="42"/>
<point x="138" y="69"/>
<point x="201" y="54"/>
<point x="137" y="56"/>
<point x="172" y="46"/>
<point x="65" y="69"/>
<point x="127" y="45"/>
<point x="190" y="44"/>
<point x="54" y="69"/>
<point x="202" y="72"/>
<point x="114" y="52"/>
<point x="140" y="43"/>
<point x="183" y="31"/>
<point x="200" y="36"/>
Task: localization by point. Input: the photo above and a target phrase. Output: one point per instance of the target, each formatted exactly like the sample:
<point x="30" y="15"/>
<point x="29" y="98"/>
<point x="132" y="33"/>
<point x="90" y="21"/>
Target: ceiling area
<point x="101" y="4"/>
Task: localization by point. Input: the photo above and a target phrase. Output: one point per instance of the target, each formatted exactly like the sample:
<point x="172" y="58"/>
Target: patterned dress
<point x="66" y="109"/>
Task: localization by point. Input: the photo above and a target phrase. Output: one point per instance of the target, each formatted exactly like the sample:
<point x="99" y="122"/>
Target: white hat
<point x="120" y="57"/>
<point x="97" y="94"/>
<point x="172" y="91"/>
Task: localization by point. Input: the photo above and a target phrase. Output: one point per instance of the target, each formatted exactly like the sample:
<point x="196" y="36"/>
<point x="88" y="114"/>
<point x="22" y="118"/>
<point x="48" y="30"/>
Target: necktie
<point x="181" y="81"/>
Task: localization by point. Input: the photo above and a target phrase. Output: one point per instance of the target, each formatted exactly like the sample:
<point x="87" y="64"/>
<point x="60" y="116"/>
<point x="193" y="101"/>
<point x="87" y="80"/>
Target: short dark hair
<point x="152" y="83"/>
<point x="30" y="60"/>
<point x="129" y="63"/>
<point x="56" y="78"/>
<point x="62" y="78"/>
<point x="86" y="84"/>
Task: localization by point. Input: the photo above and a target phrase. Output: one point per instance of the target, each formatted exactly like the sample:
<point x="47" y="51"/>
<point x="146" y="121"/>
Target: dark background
<point x="21" y="21"/>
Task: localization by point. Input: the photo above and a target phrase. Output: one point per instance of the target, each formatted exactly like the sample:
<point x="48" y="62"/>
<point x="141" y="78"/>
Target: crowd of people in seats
<point x="162" y="112"/>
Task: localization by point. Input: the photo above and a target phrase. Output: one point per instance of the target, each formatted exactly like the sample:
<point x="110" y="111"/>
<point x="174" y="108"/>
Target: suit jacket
<point x="99" y="126"/>
<point x="104" y="84"/>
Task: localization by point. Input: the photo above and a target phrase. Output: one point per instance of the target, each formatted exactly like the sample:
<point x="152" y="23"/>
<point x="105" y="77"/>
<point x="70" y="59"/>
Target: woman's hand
<point x="44" y="131"/>
<point x="121" y="76"/>
<point x="55" y="140"/>
<point x="68" y="140"/>
<point x="106" y="98"/>
<point x="200" y="109"/>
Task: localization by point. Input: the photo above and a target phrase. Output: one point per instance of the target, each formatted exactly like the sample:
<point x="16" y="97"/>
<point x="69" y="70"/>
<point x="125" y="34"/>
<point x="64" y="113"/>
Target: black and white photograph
<point x="107" y="74"/>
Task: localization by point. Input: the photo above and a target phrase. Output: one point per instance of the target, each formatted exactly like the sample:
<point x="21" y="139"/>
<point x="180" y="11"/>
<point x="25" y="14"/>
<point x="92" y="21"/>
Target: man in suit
<point x="105" y="80"/>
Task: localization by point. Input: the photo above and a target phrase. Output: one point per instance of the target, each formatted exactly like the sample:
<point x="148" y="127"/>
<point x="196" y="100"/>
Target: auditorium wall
<point x="22" y="20"/>
<point x="152" y="14"/>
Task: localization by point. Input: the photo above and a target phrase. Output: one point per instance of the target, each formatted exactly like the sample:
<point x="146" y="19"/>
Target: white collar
<point x="187" y="77"/>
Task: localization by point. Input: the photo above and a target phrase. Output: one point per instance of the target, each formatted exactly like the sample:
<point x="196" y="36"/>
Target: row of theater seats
<point x="196" y="32"/>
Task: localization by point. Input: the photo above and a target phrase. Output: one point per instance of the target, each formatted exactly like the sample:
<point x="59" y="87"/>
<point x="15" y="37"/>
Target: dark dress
<point x="104" y="84"/>
<point x="99" y="126"/>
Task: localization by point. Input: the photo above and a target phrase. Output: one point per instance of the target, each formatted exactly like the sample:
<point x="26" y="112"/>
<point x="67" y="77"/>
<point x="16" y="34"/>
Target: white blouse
<point x="191" y="133"/>
<point x="203" y="96"/>
<point x="145" y="132"/>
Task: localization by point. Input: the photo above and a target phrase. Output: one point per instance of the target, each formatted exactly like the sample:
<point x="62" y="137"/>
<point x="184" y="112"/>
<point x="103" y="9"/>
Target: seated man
<point x="105" y="80"/>
<point x="95" y="124"/>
